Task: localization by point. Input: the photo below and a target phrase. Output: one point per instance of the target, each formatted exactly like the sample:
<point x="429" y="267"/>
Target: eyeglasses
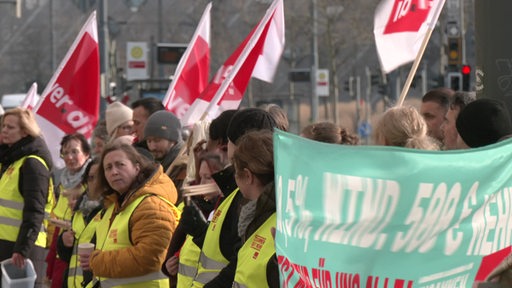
<point x="74" y="152"/>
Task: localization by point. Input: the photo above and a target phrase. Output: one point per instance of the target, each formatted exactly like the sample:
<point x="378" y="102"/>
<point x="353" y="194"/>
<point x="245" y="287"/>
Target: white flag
<point x="400" y="27"/>
<point x="31" y="99"/>
<point x="191" y="76"/>
<point x="257" y="56"/>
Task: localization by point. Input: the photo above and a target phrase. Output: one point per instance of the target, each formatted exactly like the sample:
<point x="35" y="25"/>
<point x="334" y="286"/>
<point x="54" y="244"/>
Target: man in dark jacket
<point x="163" y="136"/>
<point x="142" y="109"/>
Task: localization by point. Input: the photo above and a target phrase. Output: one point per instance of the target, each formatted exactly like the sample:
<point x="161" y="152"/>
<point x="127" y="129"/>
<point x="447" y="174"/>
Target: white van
<point x="9" y="101"/>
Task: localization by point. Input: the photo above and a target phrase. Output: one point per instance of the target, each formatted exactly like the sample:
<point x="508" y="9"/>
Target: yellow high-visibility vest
<point x="83" y="234"/>
<point x="189" y="259"/>
<point x="254" y="255"/>
<point x="11" y="204"/>
<point x="211" y="260"/>
<point x="120" y="224"/>
<point x="62" y="210"/>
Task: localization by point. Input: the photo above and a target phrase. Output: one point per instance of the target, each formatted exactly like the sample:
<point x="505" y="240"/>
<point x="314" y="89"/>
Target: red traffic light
<point x="466" y="69"/>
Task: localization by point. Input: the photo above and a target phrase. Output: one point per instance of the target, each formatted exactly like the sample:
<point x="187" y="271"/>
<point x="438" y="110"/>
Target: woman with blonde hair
<point x="27" y="191"/>
<point x="404" y="127"/>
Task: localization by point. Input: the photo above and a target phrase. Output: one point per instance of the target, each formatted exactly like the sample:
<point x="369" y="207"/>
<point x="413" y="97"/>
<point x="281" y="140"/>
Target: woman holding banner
<point x="253" y="160"/>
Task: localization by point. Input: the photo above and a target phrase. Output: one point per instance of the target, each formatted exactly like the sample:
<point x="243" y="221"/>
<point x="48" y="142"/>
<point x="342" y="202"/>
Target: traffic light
<point x="349" y="86"/>
<point x="466" y="72"/>
<point x="375" y="78"/>
<point x="455" y="81"/>
<point x="454" y="51"/>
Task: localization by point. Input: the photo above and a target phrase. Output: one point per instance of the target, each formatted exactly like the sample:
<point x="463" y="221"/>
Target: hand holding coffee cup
<point x="84" y="252"/>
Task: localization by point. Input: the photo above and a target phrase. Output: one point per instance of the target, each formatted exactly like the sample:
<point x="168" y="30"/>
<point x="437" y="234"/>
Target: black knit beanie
<point x="484" y="121"/>
<point x="249" y="119"/>
<point x="219" y="126"/>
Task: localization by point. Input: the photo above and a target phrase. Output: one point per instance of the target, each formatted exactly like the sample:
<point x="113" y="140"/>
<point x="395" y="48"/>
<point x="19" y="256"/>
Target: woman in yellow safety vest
<point x="26" y="190"/>
<point x="87" y="214"/>
<point x="75" y="151"/>
<point x="253" y="160"/>
<point x="220" y="240"/>
<point x="134" y="233"/>
<point x="183" y="255"/>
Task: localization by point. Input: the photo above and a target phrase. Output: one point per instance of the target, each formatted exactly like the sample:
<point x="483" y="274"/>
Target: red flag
<point x="400" y="27"/>
<point x="191" y="76"/>
<point x="31" y="99"/>
<point x="70" y="101"/>
<point x="257" y="56"/>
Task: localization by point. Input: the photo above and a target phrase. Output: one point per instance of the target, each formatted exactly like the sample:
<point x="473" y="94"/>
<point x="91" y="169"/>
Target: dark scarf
<point x="171" y="155"/>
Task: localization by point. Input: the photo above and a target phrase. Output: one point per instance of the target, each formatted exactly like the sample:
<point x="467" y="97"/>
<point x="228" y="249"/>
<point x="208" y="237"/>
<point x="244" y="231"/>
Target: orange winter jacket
<point x="151" y="227"/>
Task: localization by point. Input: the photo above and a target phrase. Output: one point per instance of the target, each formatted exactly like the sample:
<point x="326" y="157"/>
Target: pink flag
<point x="191" y="76"/>
<point x="257" y="56"/>
<point x="400" y="27"/>
<point x="31" y="99"/>
<point x="70" y="101"/>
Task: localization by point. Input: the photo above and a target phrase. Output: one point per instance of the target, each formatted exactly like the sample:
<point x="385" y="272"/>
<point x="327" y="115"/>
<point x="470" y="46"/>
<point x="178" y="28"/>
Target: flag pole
<point x="417" y="60"/>
<point x="414" y="68"/>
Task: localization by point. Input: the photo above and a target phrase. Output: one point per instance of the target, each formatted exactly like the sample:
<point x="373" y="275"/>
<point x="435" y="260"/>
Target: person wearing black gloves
<point x="220" y="243"/>
<point x="211" y="158"/>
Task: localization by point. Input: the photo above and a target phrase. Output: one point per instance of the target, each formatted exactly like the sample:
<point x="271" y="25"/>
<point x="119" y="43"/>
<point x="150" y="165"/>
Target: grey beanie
<point x="163" y="124"/>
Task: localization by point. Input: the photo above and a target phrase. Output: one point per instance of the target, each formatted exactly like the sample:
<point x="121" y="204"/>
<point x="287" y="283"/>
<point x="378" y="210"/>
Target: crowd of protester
<point x="152" y="225"/>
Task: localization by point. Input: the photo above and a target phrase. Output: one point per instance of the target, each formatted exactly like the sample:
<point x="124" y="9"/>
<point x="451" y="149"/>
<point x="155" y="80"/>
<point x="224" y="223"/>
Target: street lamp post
<point x="333" y="12"/>
<point x="104" y="46"/>
<point x="314" y="68"/>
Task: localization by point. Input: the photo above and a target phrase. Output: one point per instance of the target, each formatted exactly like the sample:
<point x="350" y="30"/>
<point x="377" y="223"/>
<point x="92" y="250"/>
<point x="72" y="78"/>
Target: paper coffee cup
<point x="85" y="248"/>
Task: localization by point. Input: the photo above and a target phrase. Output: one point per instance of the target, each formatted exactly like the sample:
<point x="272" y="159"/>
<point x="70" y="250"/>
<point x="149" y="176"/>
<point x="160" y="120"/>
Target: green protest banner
<point x="372" y="216"/>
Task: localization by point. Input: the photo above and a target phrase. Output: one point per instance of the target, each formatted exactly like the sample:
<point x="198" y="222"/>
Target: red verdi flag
<point x="70" y="101"/>
<point x="257" y="56"/>
<point x="400" y="27"/>
<point x="191" y="76"/>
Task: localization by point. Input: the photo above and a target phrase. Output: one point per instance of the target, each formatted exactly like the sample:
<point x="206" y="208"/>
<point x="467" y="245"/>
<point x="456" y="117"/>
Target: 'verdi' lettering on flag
<point x="61" y="107"/>
<point x="407" y="15"/>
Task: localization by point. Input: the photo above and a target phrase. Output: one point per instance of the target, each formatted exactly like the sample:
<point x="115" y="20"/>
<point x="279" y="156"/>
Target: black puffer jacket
<point x="33" y="185"/>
